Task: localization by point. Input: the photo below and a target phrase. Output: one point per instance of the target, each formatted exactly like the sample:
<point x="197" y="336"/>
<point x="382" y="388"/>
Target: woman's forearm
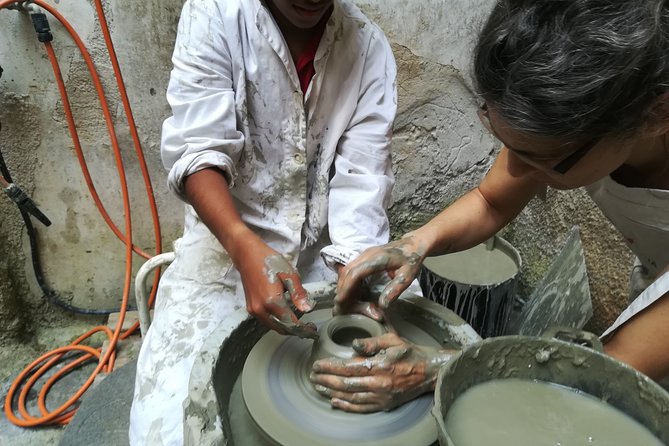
<point x="642" y="341"/>
<point x="481" y="213"/>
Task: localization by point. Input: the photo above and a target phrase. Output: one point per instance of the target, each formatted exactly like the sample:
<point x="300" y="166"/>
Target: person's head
<point x="302" y="14"/>
<point x="570" y="84"/>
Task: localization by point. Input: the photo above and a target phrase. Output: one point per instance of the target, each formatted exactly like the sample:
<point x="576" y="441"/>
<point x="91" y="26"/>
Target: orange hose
<point x="33" y="372"/>
<point x="138" y="151"/>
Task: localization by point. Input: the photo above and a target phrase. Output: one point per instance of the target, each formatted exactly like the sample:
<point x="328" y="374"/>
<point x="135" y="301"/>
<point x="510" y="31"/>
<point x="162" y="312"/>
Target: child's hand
<point x="270" y="284"/>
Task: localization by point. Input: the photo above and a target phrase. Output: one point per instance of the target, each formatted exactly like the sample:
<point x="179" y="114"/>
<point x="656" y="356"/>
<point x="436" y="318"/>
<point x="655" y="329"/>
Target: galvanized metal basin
<point x="554" y="361"/>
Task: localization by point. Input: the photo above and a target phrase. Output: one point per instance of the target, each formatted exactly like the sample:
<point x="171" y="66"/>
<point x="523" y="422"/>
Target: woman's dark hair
<point x="574" y="68"/>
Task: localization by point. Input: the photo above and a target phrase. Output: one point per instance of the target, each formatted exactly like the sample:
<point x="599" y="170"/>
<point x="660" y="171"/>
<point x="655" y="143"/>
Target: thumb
<point x="298" y="295"/>
<point x="393" y="289"/>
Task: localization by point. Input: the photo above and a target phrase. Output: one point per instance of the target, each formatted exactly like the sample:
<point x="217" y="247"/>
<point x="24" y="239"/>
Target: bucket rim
<point x="498" y="242"/>
<point x="472" y="350"/>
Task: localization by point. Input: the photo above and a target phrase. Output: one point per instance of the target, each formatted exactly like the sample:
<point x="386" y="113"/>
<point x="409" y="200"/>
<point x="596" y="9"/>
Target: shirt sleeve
<point x="362" y="183"/>
<point x="202" y="131"/>
<point x="657" y="290"/>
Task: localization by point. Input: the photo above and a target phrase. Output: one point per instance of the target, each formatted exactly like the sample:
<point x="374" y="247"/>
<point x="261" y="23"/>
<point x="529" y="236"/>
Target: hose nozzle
<point x="24" y="202"/>
<point x="41" y="25"/>
<point x="25" y="6"/>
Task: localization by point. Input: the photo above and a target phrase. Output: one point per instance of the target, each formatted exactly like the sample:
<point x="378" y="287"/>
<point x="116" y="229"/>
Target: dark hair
<point x="574" y="68"/>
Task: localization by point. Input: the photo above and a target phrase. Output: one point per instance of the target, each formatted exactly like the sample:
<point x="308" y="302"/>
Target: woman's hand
<point x="401" y="259"/>
<point x="389" y="372"/>
<point x="270" y="284"/>
<point x="362" y="301"/>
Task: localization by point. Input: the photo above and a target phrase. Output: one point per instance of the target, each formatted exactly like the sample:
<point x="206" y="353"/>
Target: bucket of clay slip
<point x="580" y="366"/>
<point x="478" y="284"/>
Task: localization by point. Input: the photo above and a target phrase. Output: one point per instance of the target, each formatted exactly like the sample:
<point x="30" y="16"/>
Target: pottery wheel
<point x="285" y="407"/>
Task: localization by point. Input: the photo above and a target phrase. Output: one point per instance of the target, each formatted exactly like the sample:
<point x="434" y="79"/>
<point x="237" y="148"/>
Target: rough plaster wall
<point x="441" y="150"/>
<point x="81" y="257"/>
<point x="442" y="31"/>
<point x="12" y="272"/>
<point x="540" y="232"/>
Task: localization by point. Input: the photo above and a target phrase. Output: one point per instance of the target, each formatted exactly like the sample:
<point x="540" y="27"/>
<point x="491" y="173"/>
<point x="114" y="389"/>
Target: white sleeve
<point x="202" y="131"/>
<point x="362" y="183"/>
<point x="657" y="290"/>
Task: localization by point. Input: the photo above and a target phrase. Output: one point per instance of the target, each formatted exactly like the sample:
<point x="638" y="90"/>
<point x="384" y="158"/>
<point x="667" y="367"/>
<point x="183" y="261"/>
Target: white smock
<point x="311" y="174"/>
<point x="642" y="217"/>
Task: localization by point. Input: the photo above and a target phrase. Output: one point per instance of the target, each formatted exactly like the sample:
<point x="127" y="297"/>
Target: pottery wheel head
<point x="285" y="407"/>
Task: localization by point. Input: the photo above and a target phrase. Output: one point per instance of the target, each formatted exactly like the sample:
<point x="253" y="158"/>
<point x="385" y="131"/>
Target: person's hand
<point x="270" y="284"/>
<point x="389" y="372"/>
<point x="361" y="302"/>
<point x="401" y="259"/>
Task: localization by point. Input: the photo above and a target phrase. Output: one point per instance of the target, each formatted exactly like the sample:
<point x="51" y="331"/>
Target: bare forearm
<point x="642" y="342"/>
<point x="481" y="213"/>
<point x="208" y="192"/>
<point x="464" y="224"/>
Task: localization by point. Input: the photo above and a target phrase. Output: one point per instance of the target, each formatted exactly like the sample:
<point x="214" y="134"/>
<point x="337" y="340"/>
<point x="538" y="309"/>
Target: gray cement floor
<point x="102" y="418"/>
<point x="103" y="415"/>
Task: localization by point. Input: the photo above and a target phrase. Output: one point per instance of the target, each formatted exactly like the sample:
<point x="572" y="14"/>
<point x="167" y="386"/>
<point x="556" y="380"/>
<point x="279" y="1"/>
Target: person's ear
<point x="657" y="122"/>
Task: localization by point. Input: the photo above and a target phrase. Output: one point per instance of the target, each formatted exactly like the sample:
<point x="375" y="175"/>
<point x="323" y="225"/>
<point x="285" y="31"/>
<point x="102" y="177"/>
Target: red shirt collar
<point x="305" y="63"/>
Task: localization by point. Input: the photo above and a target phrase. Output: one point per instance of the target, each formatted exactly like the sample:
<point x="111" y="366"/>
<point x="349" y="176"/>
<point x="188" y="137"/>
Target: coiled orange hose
<point x="34" y="371"/>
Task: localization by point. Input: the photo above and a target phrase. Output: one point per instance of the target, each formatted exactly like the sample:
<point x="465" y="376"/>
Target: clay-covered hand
<point x="401" y="259"/>
<point x="270" y="284"/>
<point x="362" y="301"/>
<point x="389" y="372"/>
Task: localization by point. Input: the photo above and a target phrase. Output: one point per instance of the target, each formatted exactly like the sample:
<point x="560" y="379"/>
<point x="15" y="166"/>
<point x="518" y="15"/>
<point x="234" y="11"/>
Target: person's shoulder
<point x="226" y="7"/>
<point x="356" y="19"/>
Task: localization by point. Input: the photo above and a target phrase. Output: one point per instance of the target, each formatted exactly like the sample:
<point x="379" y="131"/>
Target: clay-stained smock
<point x="297" y="164"/>
<point x="308" y="173"/>
<point x="642" y="217"/>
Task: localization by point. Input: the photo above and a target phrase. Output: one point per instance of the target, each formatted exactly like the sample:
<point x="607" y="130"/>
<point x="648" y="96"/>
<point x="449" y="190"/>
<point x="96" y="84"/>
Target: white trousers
<point x="197" y="292"/>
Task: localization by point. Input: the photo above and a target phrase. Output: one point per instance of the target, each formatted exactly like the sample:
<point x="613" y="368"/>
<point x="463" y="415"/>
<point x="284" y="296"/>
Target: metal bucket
<point x="559" y="362"/>
<point x="484" y="302"/>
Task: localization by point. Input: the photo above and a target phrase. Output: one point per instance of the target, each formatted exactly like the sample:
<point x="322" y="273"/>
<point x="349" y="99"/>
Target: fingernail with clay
<point x="360" y="346"/>
<point x="375" y="313"/>
<point x="384" y="301"/>
<point x="309" y="302"/>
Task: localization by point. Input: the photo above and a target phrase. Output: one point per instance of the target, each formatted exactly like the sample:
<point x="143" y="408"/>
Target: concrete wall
<point x="440" y="148"/>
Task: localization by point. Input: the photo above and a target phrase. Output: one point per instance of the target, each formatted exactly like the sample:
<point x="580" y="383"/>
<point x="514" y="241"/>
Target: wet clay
<point x="475" y="266"/>
<point x="281" y="400"/>
<point x="347" y="336"/>
<point x="336" y="336"/>
<point x="515" y="412"/>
